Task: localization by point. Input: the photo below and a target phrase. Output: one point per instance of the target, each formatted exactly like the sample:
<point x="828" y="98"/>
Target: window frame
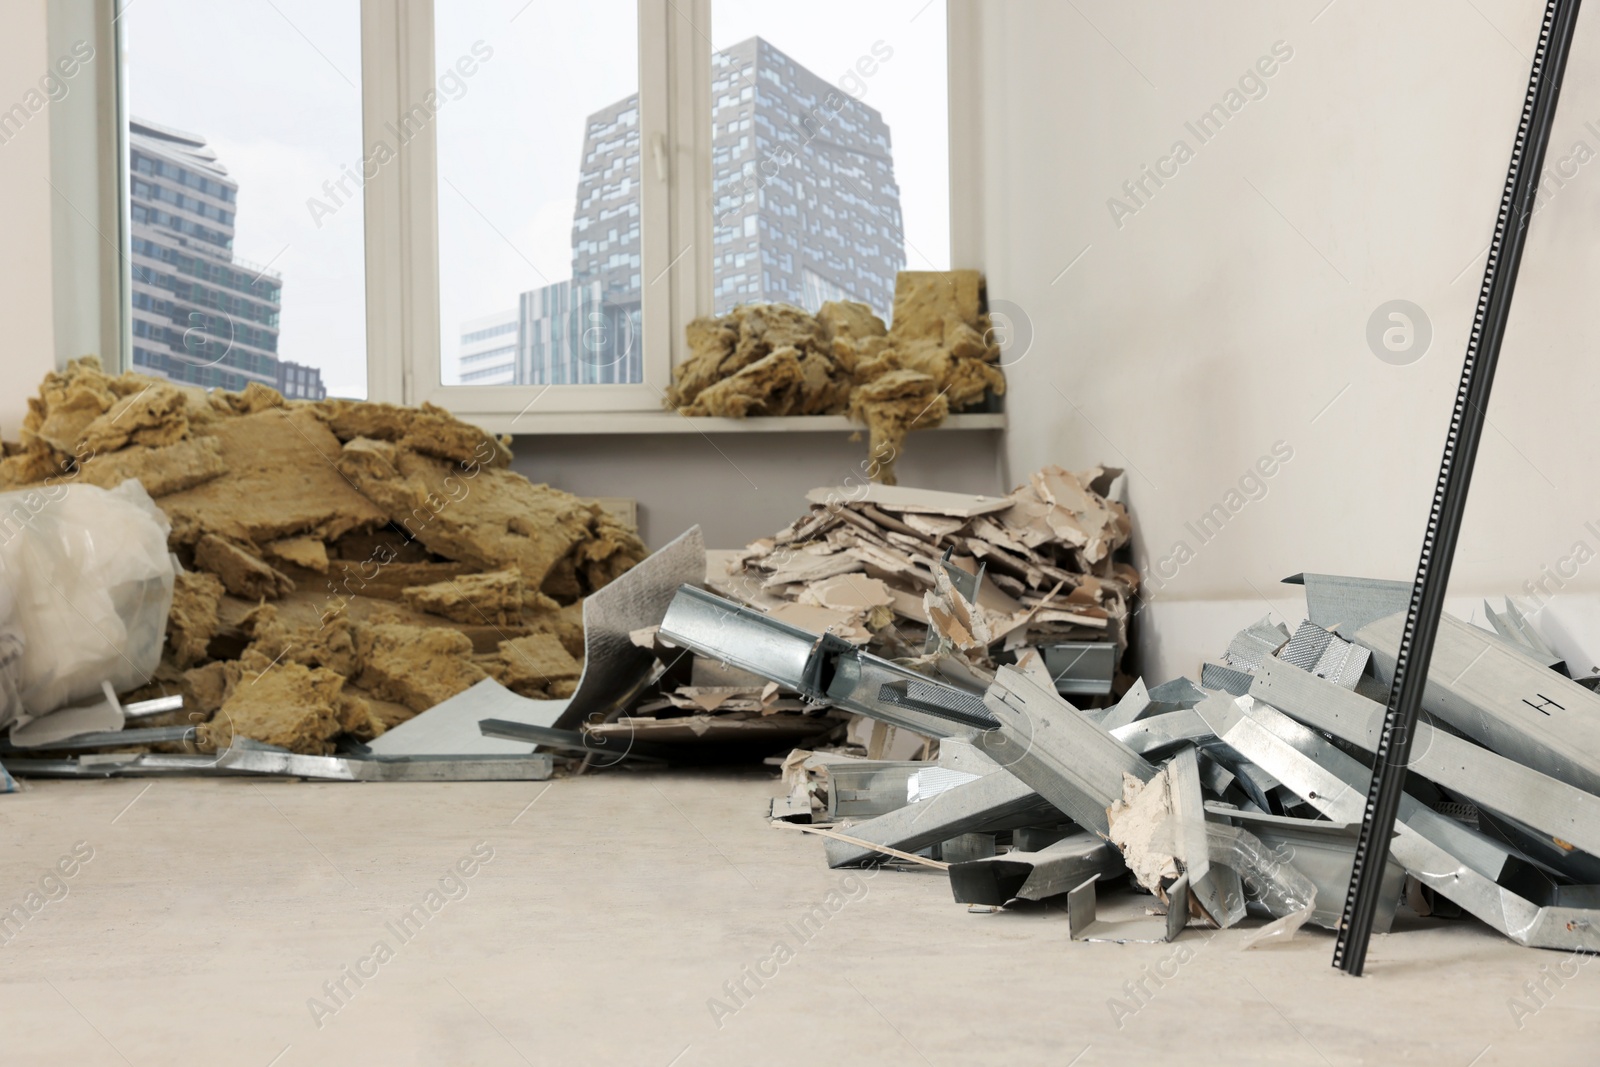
<point x="404" y="356"/>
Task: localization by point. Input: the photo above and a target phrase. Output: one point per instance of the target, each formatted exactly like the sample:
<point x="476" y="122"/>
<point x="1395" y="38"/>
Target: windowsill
<point x="669" y="422"/>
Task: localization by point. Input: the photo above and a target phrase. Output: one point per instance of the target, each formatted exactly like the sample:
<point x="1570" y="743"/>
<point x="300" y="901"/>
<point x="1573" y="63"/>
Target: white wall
<point x="28" y="350"/>
<point x="1230" y="310"/>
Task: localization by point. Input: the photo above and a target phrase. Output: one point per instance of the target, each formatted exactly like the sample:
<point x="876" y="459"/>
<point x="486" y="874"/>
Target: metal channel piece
<point x="533" y="767"/>
<point x="1083" y="925"/>
<point x="1157" y="733"/>
<point x="1521" y="920"/>
<point x="1067" y="758"/>
<point x="1503" y="698"/>
<point x="1554" y="807"/>
<point x="974" y="805"/>
<point x="148" y="735"/>
<point x="1484" y="855"/>
<point x="1218" y="890"/>
<point x="570" y="740"/>
<point x="868" y="788"/>
<point x="1052" y="870"/>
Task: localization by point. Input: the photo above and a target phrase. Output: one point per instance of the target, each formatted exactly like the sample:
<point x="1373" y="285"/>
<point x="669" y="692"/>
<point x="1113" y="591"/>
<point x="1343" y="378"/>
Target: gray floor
<point x="605" y="926"/>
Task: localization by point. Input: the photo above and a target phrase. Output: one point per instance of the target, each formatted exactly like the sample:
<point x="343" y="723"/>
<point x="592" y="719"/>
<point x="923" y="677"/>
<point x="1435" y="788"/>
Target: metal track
<point x="1455" y="474"/>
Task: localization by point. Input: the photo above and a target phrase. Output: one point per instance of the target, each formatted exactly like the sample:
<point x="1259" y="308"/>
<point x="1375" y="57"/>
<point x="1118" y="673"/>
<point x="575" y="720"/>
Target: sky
<point x="272" y="87"/>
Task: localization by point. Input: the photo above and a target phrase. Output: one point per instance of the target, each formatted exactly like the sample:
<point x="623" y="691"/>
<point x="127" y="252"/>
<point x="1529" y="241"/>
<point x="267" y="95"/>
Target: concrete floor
<point x="614" y="909"/>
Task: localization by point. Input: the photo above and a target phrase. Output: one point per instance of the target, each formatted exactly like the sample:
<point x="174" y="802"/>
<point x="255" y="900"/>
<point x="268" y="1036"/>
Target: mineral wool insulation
<point x="347" y="564"/>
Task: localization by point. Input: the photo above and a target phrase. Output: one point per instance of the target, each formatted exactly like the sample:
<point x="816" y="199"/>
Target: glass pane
<point x="245" y="192"/>
<point x="830" y="149"/>
<point x="538" y="133"/>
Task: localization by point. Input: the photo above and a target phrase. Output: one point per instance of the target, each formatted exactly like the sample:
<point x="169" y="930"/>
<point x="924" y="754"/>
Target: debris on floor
<point x="957" y="582"/>
<point x="937" y="357"/>
<point x="1222" y="802"/>
<point x="343" y="565"/>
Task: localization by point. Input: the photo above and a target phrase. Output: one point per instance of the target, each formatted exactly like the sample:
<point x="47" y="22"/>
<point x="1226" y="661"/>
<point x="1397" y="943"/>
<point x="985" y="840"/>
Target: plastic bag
<point x="87" y="585"/>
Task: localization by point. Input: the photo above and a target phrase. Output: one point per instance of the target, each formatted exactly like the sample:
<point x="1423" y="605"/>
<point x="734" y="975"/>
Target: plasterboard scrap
<point x="902" y="745"/>
<point x="1257" y="642"/>
<point x="816" y="619"/>
<point x="900" y="498"/>
<point x="1141" y="828"/>
<point x="451" y="728"/>
<point x="1502" y="698"/>
<point x="803" y="568"/>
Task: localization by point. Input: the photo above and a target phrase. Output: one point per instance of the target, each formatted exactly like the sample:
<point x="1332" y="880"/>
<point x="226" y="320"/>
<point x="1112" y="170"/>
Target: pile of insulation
<point x="773" y="359"/>
<point x="347" y="565"/>
<point x="869" y="565"/>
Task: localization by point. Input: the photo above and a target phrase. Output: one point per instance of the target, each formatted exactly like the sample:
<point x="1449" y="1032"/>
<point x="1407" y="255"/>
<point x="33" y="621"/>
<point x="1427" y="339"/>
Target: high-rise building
<point x="805" y="204"/>
<point x="200" y="316"/>
<point x="806" y="209"/>
<point x="489" y="349"/>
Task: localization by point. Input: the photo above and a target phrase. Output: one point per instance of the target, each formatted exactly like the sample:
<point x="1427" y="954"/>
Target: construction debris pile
<point x="955" y="582"/>
<point x="1241" y="795"/>
<point x="938" y="356"/>
<point x="346" y="565"/>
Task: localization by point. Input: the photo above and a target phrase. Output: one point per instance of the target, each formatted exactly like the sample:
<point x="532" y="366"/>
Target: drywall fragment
<point x="192" y="622"/>
<point x="307" y="552"/>
<point x="1141" y="826"/>
<point x="414" y="666"/>
<point x="241" y="573"/>
<point x="491" y="599"/>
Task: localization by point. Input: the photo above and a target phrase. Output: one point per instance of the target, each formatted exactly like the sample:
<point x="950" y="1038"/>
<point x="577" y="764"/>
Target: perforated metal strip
<point x="1455" y="473"/>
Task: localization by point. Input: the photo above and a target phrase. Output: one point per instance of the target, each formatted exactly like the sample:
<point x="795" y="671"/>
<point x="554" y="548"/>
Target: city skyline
<point x="806" y="209"/>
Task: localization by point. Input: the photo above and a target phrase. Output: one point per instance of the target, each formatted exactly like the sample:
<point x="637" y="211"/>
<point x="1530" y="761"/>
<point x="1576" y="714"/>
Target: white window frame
<point x="404" y="360"/>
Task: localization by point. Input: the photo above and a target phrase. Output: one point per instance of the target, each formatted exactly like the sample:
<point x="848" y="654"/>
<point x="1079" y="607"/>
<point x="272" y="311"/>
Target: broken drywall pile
<point x="774" y="359"/>
<point x="896" y="570"/>
<point x="1239" y="796"/>
<point x="347" y="564"/>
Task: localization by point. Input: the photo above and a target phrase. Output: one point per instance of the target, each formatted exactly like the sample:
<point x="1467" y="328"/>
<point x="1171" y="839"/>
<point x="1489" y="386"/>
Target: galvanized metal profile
<point x="1052" y="870"/>
<point x="1218" y="893"/>
<point x="535" y="766"/>
<point x="977" y="805"/>
<point x="1417" y="850"/>
<point x="1084" y="924"/>
<point x="1502" y="697"/>
<point x="1547" y="804"/>
<point x="1069" y="760"/>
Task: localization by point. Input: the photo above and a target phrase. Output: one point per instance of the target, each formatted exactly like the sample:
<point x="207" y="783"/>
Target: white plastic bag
<point x="87" y="585"/>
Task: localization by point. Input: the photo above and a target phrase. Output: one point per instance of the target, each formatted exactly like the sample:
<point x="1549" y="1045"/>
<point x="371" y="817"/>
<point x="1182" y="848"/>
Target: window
<point x="539" y="205"/>
<point x="244" y="198"/>
<point x="514" y="208"/>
